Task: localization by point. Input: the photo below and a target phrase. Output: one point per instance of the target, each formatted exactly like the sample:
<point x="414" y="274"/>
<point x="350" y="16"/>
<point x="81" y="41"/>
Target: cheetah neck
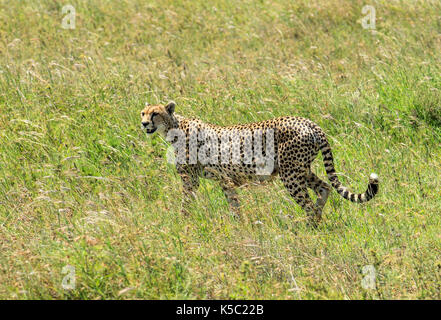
<point x="172" y="123"/>
<point x="178" y="117"/>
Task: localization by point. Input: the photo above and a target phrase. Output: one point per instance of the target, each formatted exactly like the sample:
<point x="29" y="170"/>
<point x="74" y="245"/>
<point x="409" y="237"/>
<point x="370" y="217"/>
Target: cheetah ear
<point x="147" y="104"/>
<point x="170" y="107"/>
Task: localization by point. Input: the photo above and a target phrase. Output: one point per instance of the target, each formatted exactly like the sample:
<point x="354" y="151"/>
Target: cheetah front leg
<point x="190" y="184"/>
<point x="228" y="187"/>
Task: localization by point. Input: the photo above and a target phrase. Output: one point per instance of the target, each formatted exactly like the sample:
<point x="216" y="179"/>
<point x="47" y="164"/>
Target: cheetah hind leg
<point x="296" y="184"/>
<point x="321" y="188"/>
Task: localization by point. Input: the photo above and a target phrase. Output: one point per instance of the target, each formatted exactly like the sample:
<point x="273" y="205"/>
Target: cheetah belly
<point x="240" y="174"/>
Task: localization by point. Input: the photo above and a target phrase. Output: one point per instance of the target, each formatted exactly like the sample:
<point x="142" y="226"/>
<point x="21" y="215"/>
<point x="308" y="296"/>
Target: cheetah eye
<point x="142" y="114"/>
<point x="154" y="114"/>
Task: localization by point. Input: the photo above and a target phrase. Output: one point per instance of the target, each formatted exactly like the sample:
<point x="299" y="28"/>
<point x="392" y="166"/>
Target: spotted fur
<point x="297" y="142"/>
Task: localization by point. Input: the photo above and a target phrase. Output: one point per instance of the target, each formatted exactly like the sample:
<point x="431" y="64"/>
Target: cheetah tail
<point x="328" y="161"/>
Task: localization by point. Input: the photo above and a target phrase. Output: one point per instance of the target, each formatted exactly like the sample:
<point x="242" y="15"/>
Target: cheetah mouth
<point x="150" y="131"/>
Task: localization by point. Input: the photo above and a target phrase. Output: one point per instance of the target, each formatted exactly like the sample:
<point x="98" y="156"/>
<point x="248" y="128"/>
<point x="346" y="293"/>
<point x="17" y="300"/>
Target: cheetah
<point x="234" y="154"/>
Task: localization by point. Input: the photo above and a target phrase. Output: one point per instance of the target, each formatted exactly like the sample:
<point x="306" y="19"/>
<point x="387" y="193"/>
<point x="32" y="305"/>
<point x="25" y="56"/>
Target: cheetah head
<point x="158" y="118"/>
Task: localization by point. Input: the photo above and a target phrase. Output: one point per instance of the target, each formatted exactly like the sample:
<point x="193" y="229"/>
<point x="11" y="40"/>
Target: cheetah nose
<point x="145" y="124"/>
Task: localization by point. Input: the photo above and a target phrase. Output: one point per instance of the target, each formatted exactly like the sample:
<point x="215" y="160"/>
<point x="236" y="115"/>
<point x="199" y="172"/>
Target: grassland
<point x="82" y="185"/>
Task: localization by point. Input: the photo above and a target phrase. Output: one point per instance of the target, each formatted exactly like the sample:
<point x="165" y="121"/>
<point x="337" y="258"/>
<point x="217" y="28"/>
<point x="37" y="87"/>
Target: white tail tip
<point x="373" y="177"/>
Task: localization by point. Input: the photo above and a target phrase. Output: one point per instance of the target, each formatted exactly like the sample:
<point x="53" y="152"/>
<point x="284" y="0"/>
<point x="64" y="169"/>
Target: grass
<point x="82" y="185"/>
